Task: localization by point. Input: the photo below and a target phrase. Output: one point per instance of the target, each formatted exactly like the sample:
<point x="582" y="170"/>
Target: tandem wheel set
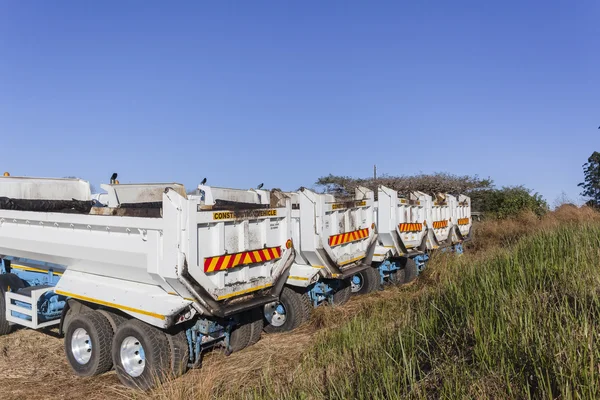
<point x="144" y="278"/>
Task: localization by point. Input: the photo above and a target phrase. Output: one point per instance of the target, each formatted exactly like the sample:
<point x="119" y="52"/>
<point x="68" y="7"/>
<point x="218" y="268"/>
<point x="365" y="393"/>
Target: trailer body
<point x="333" y="238"/>
<point x="462" y="216"/>
<point x="151" y="253"/>
<point x="401" y="223"/>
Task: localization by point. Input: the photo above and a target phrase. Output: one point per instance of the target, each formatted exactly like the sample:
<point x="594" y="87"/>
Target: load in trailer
<point x="146" y="282"/>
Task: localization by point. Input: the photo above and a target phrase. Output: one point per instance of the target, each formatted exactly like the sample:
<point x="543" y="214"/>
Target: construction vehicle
<point x="145" y="283"/>
<point x="334" y="240"/>
<point x="401" y="252"/>
<point x="411" y="227"/>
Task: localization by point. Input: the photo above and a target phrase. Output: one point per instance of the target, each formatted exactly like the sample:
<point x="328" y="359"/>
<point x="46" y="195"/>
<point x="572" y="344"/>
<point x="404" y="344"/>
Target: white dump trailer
<point x="401" y="221"/>
<point x="461" y="216"/>
<point x="446" y="214"/>
<point x="145" y="283"/>
<point x="334" y="240"/>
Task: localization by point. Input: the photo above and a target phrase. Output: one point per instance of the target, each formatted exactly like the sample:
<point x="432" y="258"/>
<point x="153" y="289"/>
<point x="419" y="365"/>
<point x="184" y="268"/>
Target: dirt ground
<point x="34" y="366"/>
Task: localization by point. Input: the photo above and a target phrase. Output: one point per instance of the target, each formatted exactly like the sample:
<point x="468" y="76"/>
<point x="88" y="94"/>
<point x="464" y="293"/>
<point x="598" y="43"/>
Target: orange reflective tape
<point x="220" y="263"/>
<point x="347" y="237"/>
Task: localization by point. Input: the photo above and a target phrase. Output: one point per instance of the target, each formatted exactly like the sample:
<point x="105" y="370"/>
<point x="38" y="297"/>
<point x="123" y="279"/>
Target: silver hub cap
<point x="133" y="357"/>
<point x="275" y="313"/>
<point x="81" y="346"/>
<point x="356" y="283"/>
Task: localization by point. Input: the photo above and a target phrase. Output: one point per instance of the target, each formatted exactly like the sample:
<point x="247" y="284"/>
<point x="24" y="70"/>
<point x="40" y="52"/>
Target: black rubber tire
<point x="113" y="318"/>
<point x="7" y="282"/>
<point x="257" y="325"/>
<point x="410" y="270"/>
<point x="371" y="281"/>
<point x="156" y="348"/>
<point x="5" y="327"/>
<point x="180" y="351"/>
<point x="396" y="277"/>
<point x="240" y="336"/>
<point x="297" y="308"/>
<point x="101" y="335"/>
<point x="343" y="294"/>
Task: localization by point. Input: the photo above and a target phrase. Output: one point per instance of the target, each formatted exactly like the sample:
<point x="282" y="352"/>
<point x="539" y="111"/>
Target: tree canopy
<point x="485" y="197"/>
<point x="591" y="183"/>
<point x="439" y="182"/>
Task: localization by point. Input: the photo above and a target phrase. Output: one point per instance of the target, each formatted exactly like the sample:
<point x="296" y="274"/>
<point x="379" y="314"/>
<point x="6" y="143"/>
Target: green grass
<point x="515" y="323"/>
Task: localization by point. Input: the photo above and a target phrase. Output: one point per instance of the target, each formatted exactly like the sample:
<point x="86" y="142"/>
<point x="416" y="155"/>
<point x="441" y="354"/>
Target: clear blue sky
<point x="283" y="92"/>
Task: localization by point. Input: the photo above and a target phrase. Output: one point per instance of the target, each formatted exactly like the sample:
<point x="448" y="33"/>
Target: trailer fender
<point x="75" y="307"/>
<point x="371" y="250"/>
<point x="302" y="275"/>
<point x="148" y="303"/>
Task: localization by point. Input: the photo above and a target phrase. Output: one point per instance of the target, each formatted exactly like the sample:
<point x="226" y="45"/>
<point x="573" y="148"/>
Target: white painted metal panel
<point x="106" y="256"/>
<point x="118" y="194"/>
<point x="400" y="218"/>
<point x="317" y="218"/>
<point x="44" y="188"/>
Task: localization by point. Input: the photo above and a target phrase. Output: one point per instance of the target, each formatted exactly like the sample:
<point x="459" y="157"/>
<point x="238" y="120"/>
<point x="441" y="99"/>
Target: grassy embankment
<point x="517" y="317"/>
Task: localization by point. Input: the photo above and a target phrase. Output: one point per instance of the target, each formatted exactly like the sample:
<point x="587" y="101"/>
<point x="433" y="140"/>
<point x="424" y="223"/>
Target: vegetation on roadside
<point x="523" y="323"/>
<point x="591" y="183"/>
<point x="507" y="202"/>
<point x="497" y="203"/>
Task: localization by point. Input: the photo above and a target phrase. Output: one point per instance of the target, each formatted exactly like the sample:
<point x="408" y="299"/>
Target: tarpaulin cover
<point x="64" y="206"/>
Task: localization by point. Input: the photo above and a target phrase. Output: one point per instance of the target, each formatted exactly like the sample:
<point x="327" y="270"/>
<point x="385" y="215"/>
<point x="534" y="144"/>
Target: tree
<point x="485" y="197"/>
<point x="510" y="201"/>
<point x="435" y="183"/>
<point x="591" y="183"/>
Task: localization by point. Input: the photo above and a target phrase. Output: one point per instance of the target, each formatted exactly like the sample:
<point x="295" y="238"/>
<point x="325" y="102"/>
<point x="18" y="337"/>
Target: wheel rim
<point x="356" y="283"/>
<point x="81" y="346"/>
<point x="275" y="313"/>
<point x="133" y="357"/>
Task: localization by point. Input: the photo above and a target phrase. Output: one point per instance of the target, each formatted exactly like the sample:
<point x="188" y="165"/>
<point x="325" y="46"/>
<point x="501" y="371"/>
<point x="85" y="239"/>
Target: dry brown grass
<point x="494" y="233"/>
<point x="34" y="365"/>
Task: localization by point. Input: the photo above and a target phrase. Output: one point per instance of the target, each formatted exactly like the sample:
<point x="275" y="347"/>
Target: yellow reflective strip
<point x="225" y="262"/>
<point x="113" y="305"/>
<point x="266" y="255"/>
<point x="24" y="268"/>
<point x="257" y="256"/>
<point x="213" y="264"/>
<point x="247" y="259"/>
<point x="227" y="296"/>
<point x="298" y="278"/>
<point x="237" y="259"/>
<point x="317" y="266"/>
<point x="351" y="261"/>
